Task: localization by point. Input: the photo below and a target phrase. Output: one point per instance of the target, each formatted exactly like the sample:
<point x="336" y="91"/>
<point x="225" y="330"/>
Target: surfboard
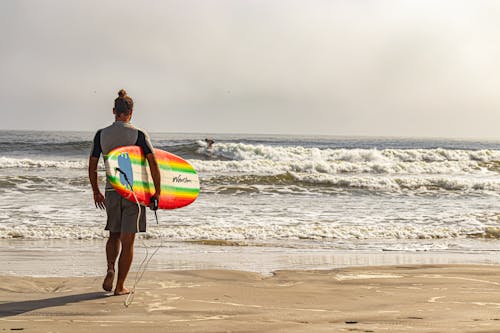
<point x="180" y="185"/>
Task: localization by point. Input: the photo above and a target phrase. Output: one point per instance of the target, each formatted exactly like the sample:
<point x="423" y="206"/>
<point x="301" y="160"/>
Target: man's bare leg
<point x="112" y="250"/>
<point x="125" y="261"/>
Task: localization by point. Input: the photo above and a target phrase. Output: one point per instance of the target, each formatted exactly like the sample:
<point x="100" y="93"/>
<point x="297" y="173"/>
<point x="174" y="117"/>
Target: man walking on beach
<point x="124" y="218"/>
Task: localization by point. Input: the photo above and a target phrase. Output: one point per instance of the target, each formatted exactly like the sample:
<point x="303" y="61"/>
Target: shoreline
<point x="402" y="298"/>
<point x="56" y="258"/>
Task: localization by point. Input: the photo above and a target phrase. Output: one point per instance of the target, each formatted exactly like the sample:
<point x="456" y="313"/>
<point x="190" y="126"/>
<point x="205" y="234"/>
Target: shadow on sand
<point x="16" y="308"/>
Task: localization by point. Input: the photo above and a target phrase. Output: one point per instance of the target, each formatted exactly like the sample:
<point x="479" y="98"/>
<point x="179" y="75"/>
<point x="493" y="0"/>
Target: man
<point x="122" y="214"/>
<point x="209" y="142"/>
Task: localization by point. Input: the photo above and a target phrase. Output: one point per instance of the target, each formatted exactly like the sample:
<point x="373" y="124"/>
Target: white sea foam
<point x="54" y="232"/>
<point x="266" y="166"/>
<point x="10" y="162"/>
<point x="391" y="184"/>
<point x="262" y="159"/>
<point x="371" y="169"/>
<point x="318" y="232"/>
<point x="241" y="151"/>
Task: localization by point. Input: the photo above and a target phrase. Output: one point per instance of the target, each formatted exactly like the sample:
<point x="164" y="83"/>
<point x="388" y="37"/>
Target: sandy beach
<point x="413" y="298"/>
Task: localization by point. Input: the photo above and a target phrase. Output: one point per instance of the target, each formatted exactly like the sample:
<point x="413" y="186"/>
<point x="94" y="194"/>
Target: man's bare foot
<point x="108" y="280"/>
<point x="123" y="291"/>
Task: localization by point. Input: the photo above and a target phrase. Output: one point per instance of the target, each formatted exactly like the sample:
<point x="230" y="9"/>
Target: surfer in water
<point x="124" y="218"/>
<point x="209" y="142"/>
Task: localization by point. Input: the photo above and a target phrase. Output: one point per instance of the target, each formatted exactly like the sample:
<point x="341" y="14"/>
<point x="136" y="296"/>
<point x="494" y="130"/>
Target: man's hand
<point x="154" y="196"/>
<point x="99" y="200"/>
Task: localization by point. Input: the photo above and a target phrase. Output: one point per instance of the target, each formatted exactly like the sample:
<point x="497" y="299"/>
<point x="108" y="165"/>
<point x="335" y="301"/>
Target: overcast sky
<point x="354" y="67"/>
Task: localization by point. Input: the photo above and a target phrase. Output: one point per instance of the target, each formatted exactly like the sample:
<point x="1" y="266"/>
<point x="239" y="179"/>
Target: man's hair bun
<point x="122" y="93"/>
<point x="123" y="103"/>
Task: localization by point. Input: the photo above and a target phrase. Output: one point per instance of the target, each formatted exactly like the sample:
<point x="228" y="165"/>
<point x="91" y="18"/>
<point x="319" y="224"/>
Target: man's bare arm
<point x="155" y="173"/>
<point x="98" y="197"/>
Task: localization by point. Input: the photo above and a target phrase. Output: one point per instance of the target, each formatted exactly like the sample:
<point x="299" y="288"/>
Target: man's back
<point x="120" y="134"/>
<point x="117" y="135"/>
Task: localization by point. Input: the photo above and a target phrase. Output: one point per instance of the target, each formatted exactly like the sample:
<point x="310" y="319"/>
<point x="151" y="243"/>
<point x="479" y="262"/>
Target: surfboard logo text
<point x="181" y="179"/>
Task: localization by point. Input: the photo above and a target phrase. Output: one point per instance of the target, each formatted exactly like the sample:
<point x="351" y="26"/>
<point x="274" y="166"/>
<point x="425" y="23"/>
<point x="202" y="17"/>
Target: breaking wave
<point x="30" y="163"/>
<point x="315" y="231"/>
<point x="235" y="168"/>
<point x="264" y="183"/>
<point x="242" y="151"/>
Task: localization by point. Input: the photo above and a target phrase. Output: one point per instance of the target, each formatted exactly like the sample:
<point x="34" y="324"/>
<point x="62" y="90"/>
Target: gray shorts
<point x="122" y="214"/>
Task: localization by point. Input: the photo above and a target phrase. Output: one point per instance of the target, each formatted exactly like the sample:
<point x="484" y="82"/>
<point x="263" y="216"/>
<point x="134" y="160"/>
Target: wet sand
<point x="49" y="258"/>
<point x="431" y="298"/>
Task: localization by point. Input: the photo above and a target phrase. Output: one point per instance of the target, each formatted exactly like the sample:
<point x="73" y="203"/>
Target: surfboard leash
<point x="145" y="262"/>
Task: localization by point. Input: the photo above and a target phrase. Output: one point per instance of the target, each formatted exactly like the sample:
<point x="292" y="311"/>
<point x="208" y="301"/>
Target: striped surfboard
<point x="180" y="185"/>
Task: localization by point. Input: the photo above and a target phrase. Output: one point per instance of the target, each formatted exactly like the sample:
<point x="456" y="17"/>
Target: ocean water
<point x="286" y="192"/>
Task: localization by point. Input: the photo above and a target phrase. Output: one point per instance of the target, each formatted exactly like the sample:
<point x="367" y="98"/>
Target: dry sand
<point x="370" y="299"/>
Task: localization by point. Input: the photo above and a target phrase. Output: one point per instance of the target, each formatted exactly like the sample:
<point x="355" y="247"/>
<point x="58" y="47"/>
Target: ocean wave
<point x="273" y="167"/>
<point x="26" y="183"/>
<point x="11" y="162"/>
<point x="247" y="158"/>
<point x="339" y="167"/>
<point x="396" y="184"/>
<point x="296" y="183"/>
<point x="285" y="183"/>
<point x="242" y="151"/>
<point x="255" y="180"/>
<point x="335" y="167"/>
<point x="255" y="159"/>
<point x="44" y="232"/>
<point x="315" y="232"/>
<point x="59" y="148"/>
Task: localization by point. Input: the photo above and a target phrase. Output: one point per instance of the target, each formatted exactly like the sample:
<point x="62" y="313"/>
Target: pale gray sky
<point x="353" y="67"/>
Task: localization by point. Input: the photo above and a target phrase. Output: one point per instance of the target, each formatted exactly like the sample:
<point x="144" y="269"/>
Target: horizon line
<point x="367" y="136"/>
